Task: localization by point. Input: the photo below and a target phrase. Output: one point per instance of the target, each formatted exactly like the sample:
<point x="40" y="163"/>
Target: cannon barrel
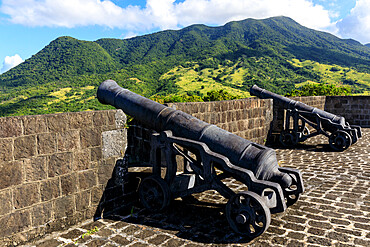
<point x="241" y="152"/>
<point x="292" y="104"/>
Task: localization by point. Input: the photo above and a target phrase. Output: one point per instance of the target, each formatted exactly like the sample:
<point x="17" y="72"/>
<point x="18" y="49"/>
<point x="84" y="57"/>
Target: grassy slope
<point x="62" y="98"/>
<point x="65" y="74"/>
<point x="336" y="74"/>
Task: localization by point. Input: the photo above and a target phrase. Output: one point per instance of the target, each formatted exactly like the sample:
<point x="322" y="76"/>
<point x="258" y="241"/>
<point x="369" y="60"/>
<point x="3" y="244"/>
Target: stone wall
<point x="355" y="109"/>
<point x="249" y="118"/>
<point x="55" y="170"/>
<point x="254" y="119"/>
<point x="279" y="112"/>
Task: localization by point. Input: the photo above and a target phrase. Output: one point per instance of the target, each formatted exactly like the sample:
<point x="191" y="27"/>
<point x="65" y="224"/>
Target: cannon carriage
<point x="299" y="116"/>
<point x="209" y="155"/>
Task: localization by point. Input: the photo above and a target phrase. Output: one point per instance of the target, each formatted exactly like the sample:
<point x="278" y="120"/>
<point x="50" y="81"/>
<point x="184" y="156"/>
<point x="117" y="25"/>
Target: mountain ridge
<point x="236" y="55"/>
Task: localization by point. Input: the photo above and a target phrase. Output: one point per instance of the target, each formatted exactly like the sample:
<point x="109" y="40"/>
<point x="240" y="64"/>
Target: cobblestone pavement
<point x="333" y="211"/>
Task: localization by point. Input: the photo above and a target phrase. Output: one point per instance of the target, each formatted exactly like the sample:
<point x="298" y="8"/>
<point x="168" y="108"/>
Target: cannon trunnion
<point x="298" y="116"/>
<point x="208" y="156"/>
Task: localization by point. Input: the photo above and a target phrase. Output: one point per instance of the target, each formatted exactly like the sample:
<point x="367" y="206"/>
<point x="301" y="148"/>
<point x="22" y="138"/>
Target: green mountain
<point x="270" y="53"/>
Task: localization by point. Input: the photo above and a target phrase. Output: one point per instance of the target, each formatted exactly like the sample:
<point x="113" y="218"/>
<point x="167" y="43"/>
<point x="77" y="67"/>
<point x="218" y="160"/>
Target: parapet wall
<point x="57" y="170"/>
<point x="249" y="118"/>
<point x="279" y="112"/>
<point x="54" y="170"/>
<point x="355" y="109"/>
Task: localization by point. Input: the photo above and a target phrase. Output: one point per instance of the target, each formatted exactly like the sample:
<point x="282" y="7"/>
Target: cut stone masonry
<point x="59" y="170"/>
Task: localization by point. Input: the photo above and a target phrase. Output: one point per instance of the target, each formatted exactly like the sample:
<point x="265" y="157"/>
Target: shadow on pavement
<point x="191" y="219"/>
<point x="188" y="218"/>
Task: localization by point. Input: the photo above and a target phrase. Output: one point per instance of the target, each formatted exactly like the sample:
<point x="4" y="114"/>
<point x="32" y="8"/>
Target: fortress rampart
<point x="59" y="169"/>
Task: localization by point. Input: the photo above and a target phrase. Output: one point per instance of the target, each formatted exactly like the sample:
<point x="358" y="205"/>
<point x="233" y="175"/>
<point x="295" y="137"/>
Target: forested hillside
<point x="276" y="53"/>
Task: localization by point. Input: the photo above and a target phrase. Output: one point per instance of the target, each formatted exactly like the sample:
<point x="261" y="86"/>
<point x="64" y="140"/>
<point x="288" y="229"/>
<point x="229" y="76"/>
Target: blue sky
<point x="27" y="26"/>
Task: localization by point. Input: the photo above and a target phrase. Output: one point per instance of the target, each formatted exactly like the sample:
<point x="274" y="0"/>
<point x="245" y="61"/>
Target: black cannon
<point x="298" y="115"/>
<point x="191" y="156"/>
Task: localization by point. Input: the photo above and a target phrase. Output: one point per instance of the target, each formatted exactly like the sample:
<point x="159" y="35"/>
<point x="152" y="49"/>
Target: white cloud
<point x="10" y="62"/>
<point x="357" y="24"/>
<point x="159" y="14"/>
<point x="72" y="13"/>
<point x="220" y="11"/>
<point x="162" y="13"/>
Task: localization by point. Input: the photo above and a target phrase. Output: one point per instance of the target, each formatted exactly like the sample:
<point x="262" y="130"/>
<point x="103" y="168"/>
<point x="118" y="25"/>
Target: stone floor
<point x="333" y="211"/>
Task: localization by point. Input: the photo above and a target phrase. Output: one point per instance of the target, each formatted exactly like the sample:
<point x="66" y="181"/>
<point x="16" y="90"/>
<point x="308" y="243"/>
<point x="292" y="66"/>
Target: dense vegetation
<point x="320" y="90"/>
<point x="276" y="53"/>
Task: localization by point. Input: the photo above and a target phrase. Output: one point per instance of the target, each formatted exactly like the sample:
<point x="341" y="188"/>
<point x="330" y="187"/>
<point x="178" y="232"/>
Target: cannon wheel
<point x="340" y="140"/>
<point x="154" y="193"/>
<point x="247" y="214"/>
<point x="288" y="138"/>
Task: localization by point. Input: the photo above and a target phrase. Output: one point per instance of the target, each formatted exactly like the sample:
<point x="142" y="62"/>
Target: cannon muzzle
<point x="241" y="152"/>
<point x="292" y="104"/>
<point x="341" y="135"/>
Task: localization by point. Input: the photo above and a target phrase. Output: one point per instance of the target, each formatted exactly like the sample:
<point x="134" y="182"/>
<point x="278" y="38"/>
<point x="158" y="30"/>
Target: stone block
<point x="90" y="213"/>
<point x="233" y="127"/>
<point x="68" y="140"/>
<point x="41" y="214"/>
<point x="25" y="147"/>
<point x="59" y="164"/>
<point x="49" y="189"/>
<point x="87" y="179"/>
<point x="251" y="123"/>
<point x="69" y="184"/>
<point x="215" y="118"/>
<point x="46" y="143"/>
<point x="6" y="149"/>
<point x="224" y="106"/>
<point x="202" y="107"/>
<point x="90" y="138"/>
<point x="79" y="120"/>
<point x="241" y="125"/>
<point x="58" y="122"/>
<point x="96" y="154"/>
<point x="10" y="127"/>
<point x="35" y="168"/>
<point x="100" y="118"/>
<point x="10" y="174"/>
<point x="96" y="195"/>
<point x="83" y="200"/>
<point x="15" y="222"/>
<point x="195" y="107"/>
<point x="81" y="160"/>
<point x="111" y="117"/>
<point x="223" y="118"/>
<point x="105" y="171"/>
<point x="114" y="143"/>
<point x="120" y="119"/>
<point x="26" y="195"/>
<point x="229" y="117"/>
<point x="34" y="124"/>
<point x="64" y="207"/>
<point x="5" y="202"/>
<point x="207" y="118"/>
<point x="72" y="234"/>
